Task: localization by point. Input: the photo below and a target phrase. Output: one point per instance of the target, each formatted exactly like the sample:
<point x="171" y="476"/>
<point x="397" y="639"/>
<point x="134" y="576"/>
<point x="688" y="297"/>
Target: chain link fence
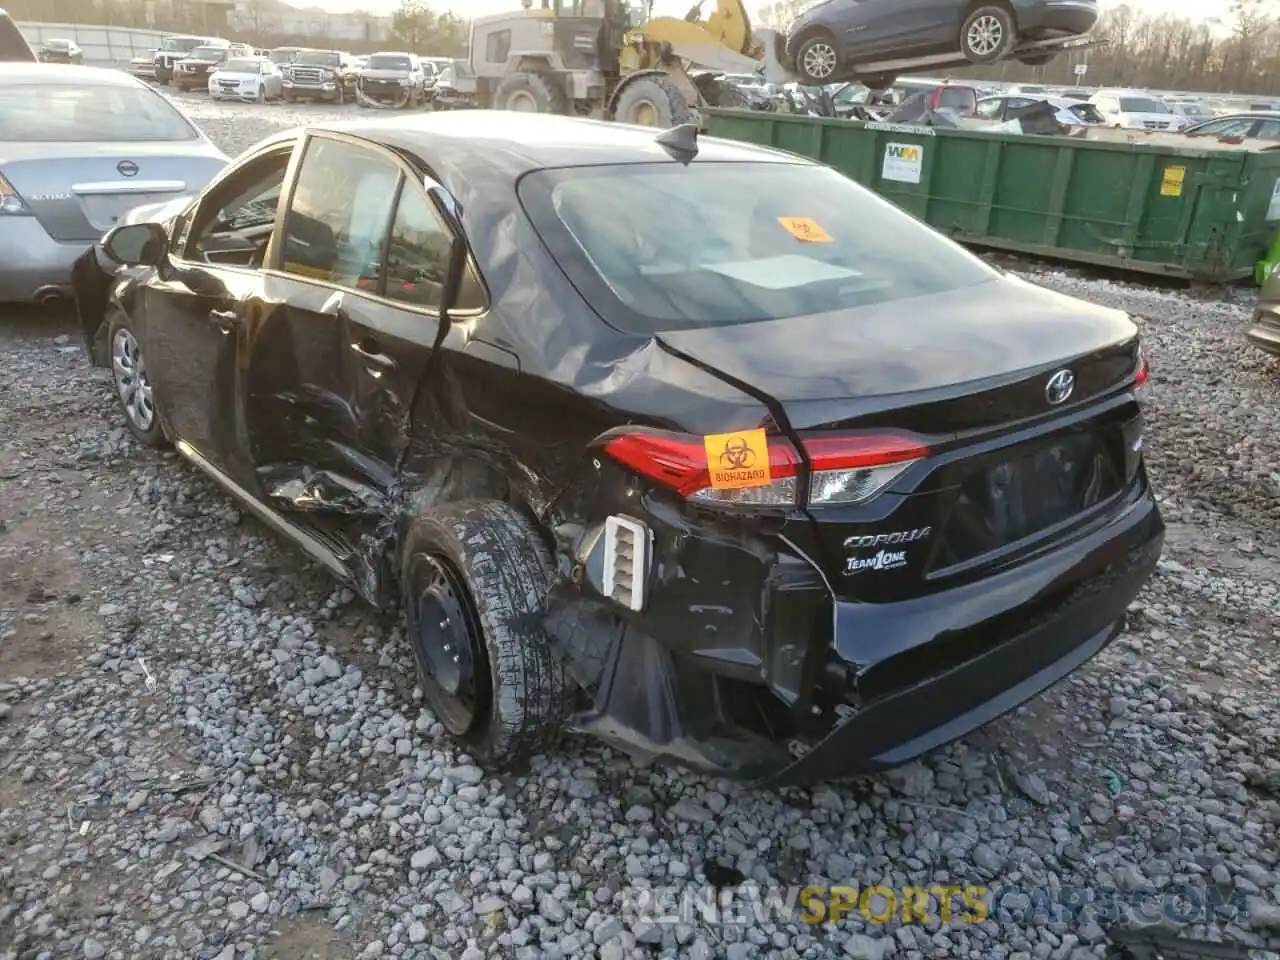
<point x="102" y="46"/>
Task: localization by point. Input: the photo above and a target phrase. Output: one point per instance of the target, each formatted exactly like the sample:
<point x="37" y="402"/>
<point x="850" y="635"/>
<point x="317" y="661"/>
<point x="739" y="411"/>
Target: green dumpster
<point x="1167" y="206"/>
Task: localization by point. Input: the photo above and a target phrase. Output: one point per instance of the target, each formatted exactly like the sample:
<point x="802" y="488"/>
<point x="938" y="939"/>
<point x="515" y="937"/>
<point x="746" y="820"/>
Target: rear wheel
<point x="133" y="383"/>
<point x="474" y="578"/>
<point x="879" y="81"/>
<point x="289" y="97"/>
<point x="818" y="59"/>
<point x="987" y="34"/>
<point x="530" y="93"/>
<point x="653" y="101"/>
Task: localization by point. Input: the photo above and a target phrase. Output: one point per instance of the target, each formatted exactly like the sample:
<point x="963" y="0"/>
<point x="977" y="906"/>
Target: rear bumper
<point x="1045" y="19"/>
<point x="31" y="261"/>
<point x="1104" y="570"/>
<point x="744" y="664"/>
<point x="1265" y="332"/>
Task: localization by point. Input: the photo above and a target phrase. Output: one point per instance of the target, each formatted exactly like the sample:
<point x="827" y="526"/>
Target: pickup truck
<point x="320" y="75"/>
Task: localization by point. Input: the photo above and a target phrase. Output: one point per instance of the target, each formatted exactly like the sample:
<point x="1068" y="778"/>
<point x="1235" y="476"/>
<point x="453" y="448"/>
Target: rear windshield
<point x="1142" y="105"/>
<point x="662" y="246"/>
<point x="316" y="58"/>
<point x="57" y="44"/>
<point x="242" y="66"/>
<point x="207" y="53"/>
<point x="60" y="113"/>
<point x="282" y="56"/>
<point x="179" y="45"/>
<point x="384" y="61"/>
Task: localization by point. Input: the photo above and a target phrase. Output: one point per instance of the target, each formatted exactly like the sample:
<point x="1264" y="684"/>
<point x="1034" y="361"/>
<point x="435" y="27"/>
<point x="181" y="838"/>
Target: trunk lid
<point x="80" y="190"/>
<point x="907" y="362"/>
<point x="968" y="375"/>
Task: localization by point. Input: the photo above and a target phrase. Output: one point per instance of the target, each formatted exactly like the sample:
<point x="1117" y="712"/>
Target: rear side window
<point x="58" y="113"/>
<point x="13" y="45"/>
<point x="662" y="246"/>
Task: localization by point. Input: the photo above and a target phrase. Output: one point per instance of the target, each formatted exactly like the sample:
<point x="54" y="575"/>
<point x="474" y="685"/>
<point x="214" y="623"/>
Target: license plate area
<point x="104" y="210"/>
<point x="1032" y="490"/>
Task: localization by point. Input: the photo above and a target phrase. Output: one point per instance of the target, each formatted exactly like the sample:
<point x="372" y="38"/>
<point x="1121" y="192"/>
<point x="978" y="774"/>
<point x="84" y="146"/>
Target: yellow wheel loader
<point x="612" y="59"/>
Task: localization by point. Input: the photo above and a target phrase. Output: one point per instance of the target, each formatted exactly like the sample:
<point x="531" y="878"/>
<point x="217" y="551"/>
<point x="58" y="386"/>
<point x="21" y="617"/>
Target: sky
<point x="1187" y="8"/>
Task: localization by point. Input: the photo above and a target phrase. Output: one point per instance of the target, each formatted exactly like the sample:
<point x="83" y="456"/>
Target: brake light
<point x="11" y="202"/>
<point x="847" y="469"/>
<point x="1142" y="381"/>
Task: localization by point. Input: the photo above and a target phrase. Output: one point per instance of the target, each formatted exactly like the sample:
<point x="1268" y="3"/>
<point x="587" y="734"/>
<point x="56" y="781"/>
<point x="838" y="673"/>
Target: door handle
<point x="225" y="319"/>
<point x="369" y="350"/>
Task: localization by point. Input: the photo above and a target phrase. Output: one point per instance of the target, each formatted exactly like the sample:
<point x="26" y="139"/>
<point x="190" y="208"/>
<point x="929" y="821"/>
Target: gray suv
<point x="830" y="41"/>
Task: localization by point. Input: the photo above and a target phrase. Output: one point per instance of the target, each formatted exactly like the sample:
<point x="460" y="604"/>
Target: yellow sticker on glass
<point x="1171" y="182"/>
<point x="737" y="460"/>
<point x="805" y="229"/>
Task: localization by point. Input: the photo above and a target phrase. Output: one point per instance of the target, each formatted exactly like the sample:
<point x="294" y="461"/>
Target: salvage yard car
<point x="78" y="147"/>
<point x="13" y="45"/>
<point x="245" y="78"/>
<point x="319" y="75"/>
<point x="391" y="80"/>
<point x="175" y="48"/>
<point x="56" y="50"/>
<point x="192" y="71"/>
<point x="830" y="40"/>
<point x="761" y="473"/>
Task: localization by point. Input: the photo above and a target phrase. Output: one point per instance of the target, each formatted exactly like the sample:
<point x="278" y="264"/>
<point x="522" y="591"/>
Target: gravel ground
<point x="206" y="750"/>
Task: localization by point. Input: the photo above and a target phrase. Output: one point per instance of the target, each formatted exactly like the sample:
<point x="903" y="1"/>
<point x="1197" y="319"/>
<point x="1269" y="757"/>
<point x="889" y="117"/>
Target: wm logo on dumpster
<point x="905" y="151"/>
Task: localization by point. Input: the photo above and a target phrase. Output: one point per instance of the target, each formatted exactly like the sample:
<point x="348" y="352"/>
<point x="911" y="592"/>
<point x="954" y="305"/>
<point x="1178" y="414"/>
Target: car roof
<point x="533" y="141"/>
<point x="68" y="73"/>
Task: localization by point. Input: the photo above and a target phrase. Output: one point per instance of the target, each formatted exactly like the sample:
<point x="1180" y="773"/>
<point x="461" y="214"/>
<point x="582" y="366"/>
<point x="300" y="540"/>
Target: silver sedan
<point x="79" y="147"/>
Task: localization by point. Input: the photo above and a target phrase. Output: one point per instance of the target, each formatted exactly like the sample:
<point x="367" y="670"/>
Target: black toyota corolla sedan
<point x="692" y="445"/>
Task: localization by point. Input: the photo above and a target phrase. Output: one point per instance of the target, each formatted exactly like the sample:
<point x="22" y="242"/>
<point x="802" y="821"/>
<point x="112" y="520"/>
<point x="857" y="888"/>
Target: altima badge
<point x="1059" y="387"/>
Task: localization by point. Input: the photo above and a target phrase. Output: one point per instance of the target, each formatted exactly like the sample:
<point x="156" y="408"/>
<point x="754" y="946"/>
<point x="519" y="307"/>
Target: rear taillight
<point x="847" y="468"/>
<point x="11" y="202"/>
<point x="1142" y="380"/>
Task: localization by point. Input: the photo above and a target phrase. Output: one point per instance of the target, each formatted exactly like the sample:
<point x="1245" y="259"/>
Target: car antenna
<point x="681" y="142"/>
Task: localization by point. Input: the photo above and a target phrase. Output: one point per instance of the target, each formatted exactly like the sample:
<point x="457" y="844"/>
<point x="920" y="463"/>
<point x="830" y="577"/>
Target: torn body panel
<point x="744" y="663"/>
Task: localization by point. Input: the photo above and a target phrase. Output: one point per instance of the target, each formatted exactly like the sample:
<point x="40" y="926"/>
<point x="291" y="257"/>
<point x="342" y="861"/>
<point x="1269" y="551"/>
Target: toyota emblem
<point x="1059" y="387"/>
<point x="127" y="168"/>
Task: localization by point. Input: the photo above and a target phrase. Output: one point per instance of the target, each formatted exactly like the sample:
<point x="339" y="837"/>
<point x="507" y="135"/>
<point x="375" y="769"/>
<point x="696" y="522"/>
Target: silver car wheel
<point x="820" y="60"/>
<point x="132" y="383"/>
<point x="986" y="36"/>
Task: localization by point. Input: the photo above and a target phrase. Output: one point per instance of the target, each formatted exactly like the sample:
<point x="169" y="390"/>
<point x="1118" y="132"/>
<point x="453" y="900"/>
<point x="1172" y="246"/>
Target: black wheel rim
<point x="445" y="633"/>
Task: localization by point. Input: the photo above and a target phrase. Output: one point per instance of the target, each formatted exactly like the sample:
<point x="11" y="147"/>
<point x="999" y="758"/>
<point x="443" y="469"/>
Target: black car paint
<point x="754" y="656"/>
<point x="875" y="30"/>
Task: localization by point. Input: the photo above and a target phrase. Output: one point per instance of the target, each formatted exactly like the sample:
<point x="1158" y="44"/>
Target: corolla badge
<point x="1059" y="387"/>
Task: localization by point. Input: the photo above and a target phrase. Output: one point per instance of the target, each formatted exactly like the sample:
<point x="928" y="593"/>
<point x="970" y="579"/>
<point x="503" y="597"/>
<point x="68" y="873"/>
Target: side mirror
<point x="136" y="244"/>
<point x="451" y="211"/>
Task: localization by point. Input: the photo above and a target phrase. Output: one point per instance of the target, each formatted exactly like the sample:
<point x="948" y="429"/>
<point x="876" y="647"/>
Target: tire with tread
<point x="879" y="81"/>
<point x="505" y="567"/>
<point x="543" y="90"/>
<point x="660" y="93"/>
<point x="1008" y="35"/>
<point x="824" y="44"/>
<point x="155" y="436"/>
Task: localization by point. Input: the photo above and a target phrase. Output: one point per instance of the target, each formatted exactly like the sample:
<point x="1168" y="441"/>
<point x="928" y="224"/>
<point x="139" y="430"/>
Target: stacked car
<point x="61" y="51"/>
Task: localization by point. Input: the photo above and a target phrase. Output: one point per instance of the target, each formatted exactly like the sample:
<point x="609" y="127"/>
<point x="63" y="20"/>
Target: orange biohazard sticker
<point x="805" y="229"/>
<point x="737" y="460"/>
